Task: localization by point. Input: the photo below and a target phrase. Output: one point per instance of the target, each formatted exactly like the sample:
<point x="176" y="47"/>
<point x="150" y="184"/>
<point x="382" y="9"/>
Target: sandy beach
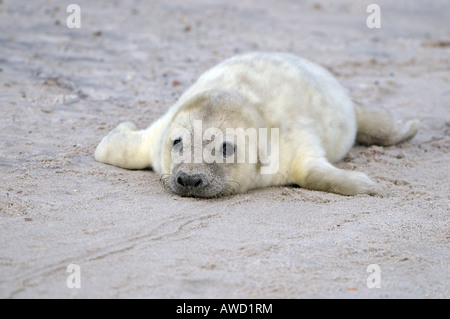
<point x="62" y="89"/>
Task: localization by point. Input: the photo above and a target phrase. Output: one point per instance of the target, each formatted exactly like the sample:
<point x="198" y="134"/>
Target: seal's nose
<point x="186" y="180"/>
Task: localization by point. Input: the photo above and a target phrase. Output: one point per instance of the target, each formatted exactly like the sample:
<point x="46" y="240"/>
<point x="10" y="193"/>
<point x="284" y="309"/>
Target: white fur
<point x="318" y="124"/>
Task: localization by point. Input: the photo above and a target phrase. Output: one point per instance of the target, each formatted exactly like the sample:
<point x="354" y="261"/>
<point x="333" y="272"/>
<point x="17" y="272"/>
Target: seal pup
<point x="317" y="121"/>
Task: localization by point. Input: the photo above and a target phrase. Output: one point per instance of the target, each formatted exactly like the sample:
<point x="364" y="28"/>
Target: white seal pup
<point x="311" y="121"/>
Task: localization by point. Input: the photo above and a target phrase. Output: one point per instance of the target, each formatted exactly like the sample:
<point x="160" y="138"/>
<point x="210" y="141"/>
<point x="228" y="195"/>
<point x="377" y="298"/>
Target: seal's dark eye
<point x="176" y="141"/>
<point x="228" y="149"/>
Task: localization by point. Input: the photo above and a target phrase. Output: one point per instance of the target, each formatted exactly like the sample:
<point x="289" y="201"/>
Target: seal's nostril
<point x="196" y="181"/>
<point x="186" y="180"/>
<point x="183" y="179"/>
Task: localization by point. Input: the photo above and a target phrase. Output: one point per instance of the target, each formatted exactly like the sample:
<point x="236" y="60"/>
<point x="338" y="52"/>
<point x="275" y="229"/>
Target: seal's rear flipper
<point x="376" y="126"/>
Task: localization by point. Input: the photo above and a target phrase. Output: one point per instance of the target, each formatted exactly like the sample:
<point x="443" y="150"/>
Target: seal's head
<point x="210" y="148"/>
<point x="207" y="175"/>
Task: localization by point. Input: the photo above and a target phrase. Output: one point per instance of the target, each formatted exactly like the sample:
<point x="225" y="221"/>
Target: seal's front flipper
<point x="319" y="174"/>
<point x="125" y="147"/>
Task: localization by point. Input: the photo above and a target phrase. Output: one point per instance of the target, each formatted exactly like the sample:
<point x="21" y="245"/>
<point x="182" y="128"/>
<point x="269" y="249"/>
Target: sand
<point x="62" y="90"/>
